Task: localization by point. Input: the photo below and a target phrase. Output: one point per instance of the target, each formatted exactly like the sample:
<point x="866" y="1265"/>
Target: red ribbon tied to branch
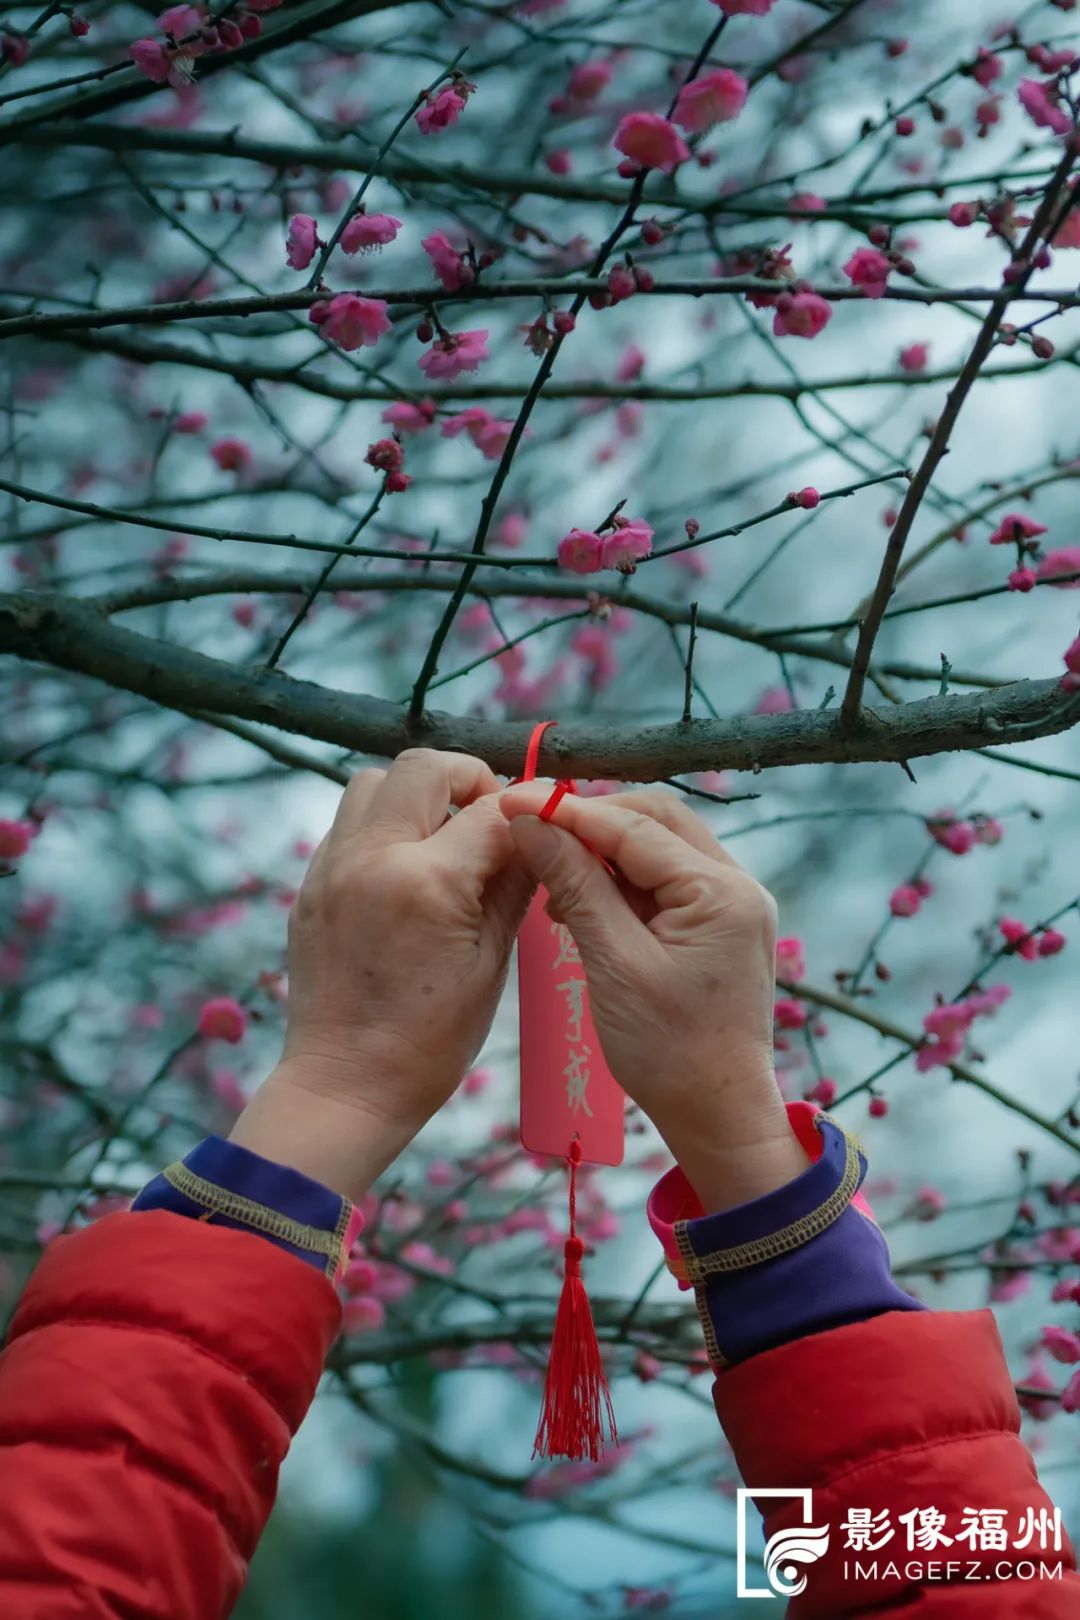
<point x="577" y="1403"/>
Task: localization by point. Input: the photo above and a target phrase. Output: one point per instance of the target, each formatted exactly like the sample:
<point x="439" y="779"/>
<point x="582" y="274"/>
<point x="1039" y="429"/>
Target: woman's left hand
<point x="399" y="942"/>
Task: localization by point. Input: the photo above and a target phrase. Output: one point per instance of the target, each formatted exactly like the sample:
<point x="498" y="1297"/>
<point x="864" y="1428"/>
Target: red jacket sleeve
<point x="908" y="1410"/>
<point x="156" y="1371"/>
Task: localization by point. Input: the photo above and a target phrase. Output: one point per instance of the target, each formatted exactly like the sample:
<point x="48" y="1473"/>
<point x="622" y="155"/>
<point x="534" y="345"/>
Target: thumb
<point x="585" y="895"/>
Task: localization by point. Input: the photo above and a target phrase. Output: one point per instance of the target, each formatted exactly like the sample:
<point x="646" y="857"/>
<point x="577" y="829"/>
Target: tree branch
<point x="77" y="636"/>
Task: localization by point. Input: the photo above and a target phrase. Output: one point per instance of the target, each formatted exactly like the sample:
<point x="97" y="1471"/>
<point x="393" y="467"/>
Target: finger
<point x="506" y="900"/>
<point x="353" y="806"/>
<point x="476" y="842"/>
<point x="649" y="855"/>
<point x="585" y="896"/>
<point x="673" y="812"/>
<point x="415" y="796"/>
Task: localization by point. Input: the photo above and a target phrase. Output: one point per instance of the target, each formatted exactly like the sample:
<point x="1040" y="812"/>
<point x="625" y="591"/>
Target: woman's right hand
<point x="679" y="952"/>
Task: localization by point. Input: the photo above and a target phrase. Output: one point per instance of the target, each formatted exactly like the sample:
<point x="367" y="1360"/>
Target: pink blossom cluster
<point x="405" y="416"/>
<point x="189" y="34"/>
<point x="387" y="456"/>
<point x="452" y="353"/>
<point x="584" y="552"/>
<point x="440" y="109"/>
<point x="351" y="321"/>
<point x="1020" y="940"/>
<point x="907" y="898"/>
<point x="959" y="835"/>
<point x="490" y="434"/>
<point x="947" y="1026"/>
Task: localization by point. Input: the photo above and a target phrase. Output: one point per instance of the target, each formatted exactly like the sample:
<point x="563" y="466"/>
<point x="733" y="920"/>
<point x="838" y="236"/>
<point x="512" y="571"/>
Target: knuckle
<point x="424" y="758"/>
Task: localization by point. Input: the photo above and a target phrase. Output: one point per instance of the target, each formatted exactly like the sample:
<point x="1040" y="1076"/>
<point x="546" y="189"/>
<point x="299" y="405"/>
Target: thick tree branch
<point x="41" y="324"/>
<point x="77" y="636"/>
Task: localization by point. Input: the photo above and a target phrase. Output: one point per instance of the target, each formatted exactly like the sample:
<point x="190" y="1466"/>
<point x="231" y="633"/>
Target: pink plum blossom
<point x="905" y="900"/>
<point x="869" y="269"/>
<point x="489" y="433"/>
<point x="301" y="242"/>
<point x="1019" y="938"/>
<point x="1061" y="1344"/>
<point x="441" y="110"/>
<point x="650" y="141"/>
<point x="15" y="838"/>
<point x="454" y="353"/>
<point x="1014" y="527"/>
<point x="790" y="959"/>
<point x="451" y="267"/>
<point x="630" y="541"/>
<point x="580" y="552"/>
<point x="222" y="1019"/>
<point x="744" y="8"/>
<point x="588" y="79"/>
<point x="180" y="20"/>
<point x="232" y="455"/>
<point x="1066" y="560"/>
<point x="405" y="417"/>
<point x="789" y="1013"/>
<point x="716" y="98"/>
<point x="152" y="59"/>
<point x="351" y="321"/>
<point x="914" y="357"/>
<point x="366" y="231"/>
<point x="801" y="314"/>
<point x="1067" y="234"/>
<point x="1040" y="100"/>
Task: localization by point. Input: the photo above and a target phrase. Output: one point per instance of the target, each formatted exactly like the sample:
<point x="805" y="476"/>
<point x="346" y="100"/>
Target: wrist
<point x="731" y="1135"/>
<point x="339" y="1140"/>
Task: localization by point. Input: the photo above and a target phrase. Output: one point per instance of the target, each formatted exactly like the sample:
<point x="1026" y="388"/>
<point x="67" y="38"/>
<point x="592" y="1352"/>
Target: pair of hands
<point x="400" y="939"/>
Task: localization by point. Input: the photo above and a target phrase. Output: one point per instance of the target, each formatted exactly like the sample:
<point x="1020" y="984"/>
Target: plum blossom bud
<point x="878" y="1108"/>
<point x="905" y="901"/>
<point x="15" y="839"/>
<point x="824" y="1092"/>
<point x="222" y="1019"/>
<point x="807" y="498"/>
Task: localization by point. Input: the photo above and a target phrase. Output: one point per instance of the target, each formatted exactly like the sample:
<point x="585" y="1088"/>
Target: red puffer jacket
<point x="158" y="1366"/>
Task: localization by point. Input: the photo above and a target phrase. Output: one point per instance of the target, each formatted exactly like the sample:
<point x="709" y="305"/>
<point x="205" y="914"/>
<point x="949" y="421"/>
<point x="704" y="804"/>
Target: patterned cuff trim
<point x="219" y="1201"/>
<point x="840" y="1165"/>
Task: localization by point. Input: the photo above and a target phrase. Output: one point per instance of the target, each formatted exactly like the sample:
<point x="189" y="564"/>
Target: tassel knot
<point x="577" y="1404"/>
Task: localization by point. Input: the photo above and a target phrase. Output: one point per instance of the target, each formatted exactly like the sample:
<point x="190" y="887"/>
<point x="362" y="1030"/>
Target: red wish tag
<point x="567" y="1090"/>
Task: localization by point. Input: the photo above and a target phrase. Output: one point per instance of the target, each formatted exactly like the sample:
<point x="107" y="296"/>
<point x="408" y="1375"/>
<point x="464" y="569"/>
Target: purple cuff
<point x="800" y="1260"/>
<point x="229" y="1185"/>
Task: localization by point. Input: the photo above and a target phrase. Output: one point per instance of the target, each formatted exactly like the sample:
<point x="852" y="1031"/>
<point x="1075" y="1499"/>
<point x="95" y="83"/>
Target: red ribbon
<point x="577" y="1404"/>
<point x="563" y="786"/>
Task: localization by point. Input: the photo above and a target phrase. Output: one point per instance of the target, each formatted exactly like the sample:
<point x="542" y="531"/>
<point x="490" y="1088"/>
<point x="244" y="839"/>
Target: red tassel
<point x="577" y="1402"/>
